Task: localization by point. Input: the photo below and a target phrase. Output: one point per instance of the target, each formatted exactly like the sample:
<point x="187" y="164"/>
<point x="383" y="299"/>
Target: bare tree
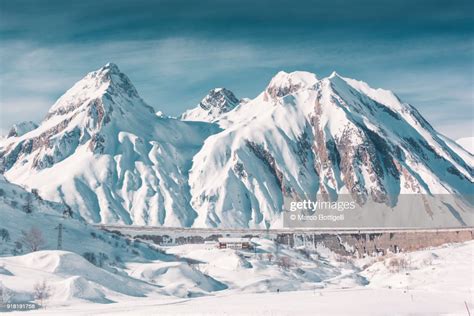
<point x="397" y="264"/>
<point x="67" y="212"/>
<point x="5" y="295"/>
<point x="28" y="207"/>
<point x="4" y="234"/>
<point x="32" y="239"/>
<point x="285" y="263"/>
<point x="36" y="194"/>
<point x="277" y="249"/>
<point x="42" y="292"/>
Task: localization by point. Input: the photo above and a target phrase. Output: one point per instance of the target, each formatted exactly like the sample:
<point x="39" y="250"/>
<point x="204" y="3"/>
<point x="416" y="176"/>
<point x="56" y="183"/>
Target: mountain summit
<point x="284" y="83"/>
<point x="216" y="103"/>
<point x="105" y="152"/>
<point x="106" y="83"/>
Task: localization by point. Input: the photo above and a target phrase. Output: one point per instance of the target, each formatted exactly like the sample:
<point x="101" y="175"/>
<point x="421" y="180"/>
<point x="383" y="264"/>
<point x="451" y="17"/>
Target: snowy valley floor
<point x="327" y="302"/>
<point x="228" y="282"/>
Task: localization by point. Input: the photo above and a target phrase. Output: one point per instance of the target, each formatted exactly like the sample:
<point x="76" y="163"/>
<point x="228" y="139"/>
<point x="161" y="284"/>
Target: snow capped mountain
<point x="216" y="103"/>
<point x="105" y="152"/>
<point x="303" y="136"/>
<point x="21" y="128"/>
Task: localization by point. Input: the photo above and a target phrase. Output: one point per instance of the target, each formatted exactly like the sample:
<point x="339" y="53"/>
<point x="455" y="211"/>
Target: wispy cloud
<point x="173" y="73"/>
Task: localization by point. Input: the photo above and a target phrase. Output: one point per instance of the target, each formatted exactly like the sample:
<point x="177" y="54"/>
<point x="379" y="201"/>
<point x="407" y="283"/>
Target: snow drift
<point x="69" y="276"/>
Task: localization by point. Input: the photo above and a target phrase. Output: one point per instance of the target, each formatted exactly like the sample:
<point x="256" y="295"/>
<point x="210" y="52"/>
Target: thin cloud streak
<point x="172" y="74"/>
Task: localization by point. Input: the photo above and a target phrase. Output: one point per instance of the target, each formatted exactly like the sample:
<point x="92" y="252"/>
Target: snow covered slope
<point x="72" y="277"/>
<point x="457" y="148"/>
<point x="218" y="102"/>
<point x="303" y="136"/>
<point x="21" y="210"/>
<point x="105" y="152"/>
<point x="467" y="143"/>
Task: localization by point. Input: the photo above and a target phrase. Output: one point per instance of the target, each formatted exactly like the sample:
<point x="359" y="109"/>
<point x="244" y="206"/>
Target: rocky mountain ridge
<point x="105" y="152"/>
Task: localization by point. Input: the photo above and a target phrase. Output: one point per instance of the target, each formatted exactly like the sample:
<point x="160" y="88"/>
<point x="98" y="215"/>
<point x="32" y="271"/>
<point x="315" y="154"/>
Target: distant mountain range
<point x="232" y="162"/>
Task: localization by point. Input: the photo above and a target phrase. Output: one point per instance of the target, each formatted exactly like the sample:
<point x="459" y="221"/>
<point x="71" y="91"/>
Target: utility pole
<point x="60" y="235"/>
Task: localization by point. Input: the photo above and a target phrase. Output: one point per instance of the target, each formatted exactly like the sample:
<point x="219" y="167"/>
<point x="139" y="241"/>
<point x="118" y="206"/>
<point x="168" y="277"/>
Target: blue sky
<point x="175" y="51"/>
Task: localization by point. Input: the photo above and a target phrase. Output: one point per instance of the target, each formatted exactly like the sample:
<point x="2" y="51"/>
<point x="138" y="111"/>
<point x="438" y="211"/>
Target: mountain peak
<point x="107" y="80"/>
<point x="216" y="103"/>
<point x="108" y="72"/>
<point x="219" y="98"/>
<point x="113" y="67"/>
<point x="284" y="83"/>
<point x="334" y="74"/>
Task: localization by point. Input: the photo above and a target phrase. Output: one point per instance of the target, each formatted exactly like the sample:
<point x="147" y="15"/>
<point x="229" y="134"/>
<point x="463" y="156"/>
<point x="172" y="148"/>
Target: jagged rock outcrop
<point x="213" y="106"/>
<point x="21" y="129"/>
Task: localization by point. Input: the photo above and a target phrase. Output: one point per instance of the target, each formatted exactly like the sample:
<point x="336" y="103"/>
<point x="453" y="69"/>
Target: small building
<point x="234" y="243"/>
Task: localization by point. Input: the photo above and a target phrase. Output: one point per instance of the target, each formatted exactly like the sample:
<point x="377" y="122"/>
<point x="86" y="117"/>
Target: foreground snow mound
<point x="177" y="278"/>
<point x="77" y="287"/>
<point x="64" y="263"/>
<point x="445" y="269"/>
<point x="70" y="277"/>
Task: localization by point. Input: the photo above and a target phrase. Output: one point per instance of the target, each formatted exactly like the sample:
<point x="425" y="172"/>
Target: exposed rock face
<point x="221" y="99"/>
<point x="265" y="156"/>
<point x="215" y="104"/>
<point x="21" y="129"/>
